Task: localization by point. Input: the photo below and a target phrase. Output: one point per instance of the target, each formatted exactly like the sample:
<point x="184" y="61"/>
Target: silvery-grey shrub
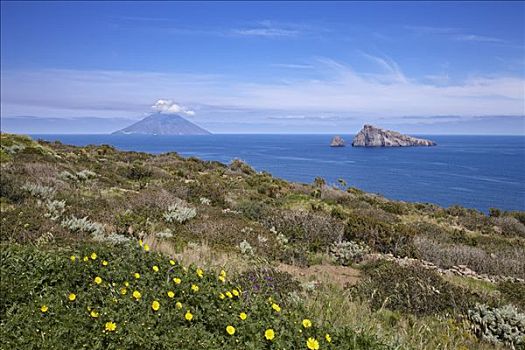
<point x="75" y="224"/>
<point x="39" y="191"/>
<point x="246" y="248"/>
<point x="55" y="209"/>
<point x="348" y="252"/>
<point x="179" y="212"/>
<point x="499" y="325"/>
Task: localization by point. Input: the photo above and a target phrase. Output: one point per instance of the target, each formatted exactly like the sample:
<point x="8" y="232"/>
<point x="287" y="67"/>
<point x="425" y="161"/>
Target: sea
<point x="479" y="172"/>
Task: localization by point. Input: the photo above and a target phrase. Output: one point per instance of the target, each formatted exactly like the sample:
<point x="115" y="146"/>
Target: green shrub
<point x="11" y="187"/>
<point x="138" y="172"/>
<point x="241" y="166"/>
<point x="380" y="236"/>
<point x="267" y="282"/>
<point x="513" y="292"/>
<point x="254" y="210"/>
<point x="413" y="290"/>
<point x="314" y="230"/>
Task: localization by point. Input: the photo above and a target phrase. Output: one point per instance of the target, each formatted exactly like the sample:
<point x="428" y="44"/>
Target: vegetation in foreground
<point x="309" y="265"/>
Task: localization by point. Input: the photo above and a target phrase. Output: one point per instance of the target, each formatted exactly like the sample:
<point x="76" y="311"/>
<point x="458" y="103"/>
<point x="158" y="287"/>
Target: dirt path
<point x="338" y="275"/>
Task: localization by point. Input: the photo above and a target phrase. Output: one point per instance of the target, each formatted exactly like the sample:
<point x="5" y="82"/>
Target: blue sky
<point x="270" y="67"/>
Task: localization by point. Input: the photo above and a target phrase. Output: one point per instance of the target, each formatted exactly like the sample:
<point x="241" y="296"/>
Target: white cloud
<point x="266" y="32"/>
<point x="271" y="29"/>
<point x="478" y="38"/>
<point x="170" y="107"/>
<point x="338" y="89"/>
<point x="389" y="65"/>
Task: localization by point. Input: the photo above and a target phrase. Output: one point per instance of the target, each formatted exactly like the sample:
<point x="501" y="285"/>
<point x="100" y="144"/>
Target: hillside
<point x="106" y="249"/>
<point x="163" y="124"/>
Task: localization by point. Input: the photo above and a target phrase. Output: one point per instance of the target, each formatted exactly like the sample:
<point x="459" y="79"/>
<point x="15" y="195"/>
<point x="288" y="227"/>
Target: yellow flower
<point x="93" y="256"/>
<point x="200" y="273"/>
<point x="328" y="338"/>
<point x="222" y="279"/>
<point x="146" y="248"/>
<point x="312" y="344"/>
<point x="307" y="323"/>
<point x="229" y="294"/>
<point x="105" y="263"/>
<point x="221" y="296"/>
<point x="235" y="292"/>
<point x="155" y="268"/>
<point x="85" y="259"/>
<point x="73" y="258"/>
<point x="177" y="280"/>
<point x="137" y="295"/>
<point x="123" y="291"/>
<point x="98" y="280"/>
<point x="44" y="308"/>
<point x="111" y="326"/>
<point x="155" y="305"/>
<point x="140" y="242"/>
<point x="172" y="262"/>
<point x="222" y="273"/>
<point x="276" y="307"/>
<point x="243" y="316"/>
<point x="126" y="284"/>
<point x="188" y="316"/>
<point x="269" y="334"/>
<point x="136" y="275"/>
<point x="93" y="314"/>
<point x="72" y="297"/>
<point x="195" y="288"/>
<point x="178" y="305"/>
<point x="171" y="294"/>
<point x="230" y="330"/>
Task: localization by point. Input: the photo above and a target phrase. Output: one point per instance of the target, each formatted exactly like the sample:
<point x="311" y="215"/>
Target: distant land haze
<point x="163" y="124"/>
<point x="220" y="123"/>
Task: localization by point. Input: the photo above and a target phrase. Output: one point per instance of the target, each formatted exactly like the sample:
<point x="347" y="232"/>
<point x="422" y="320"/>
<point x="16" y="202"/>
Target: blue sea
<point x="473" y="171"/>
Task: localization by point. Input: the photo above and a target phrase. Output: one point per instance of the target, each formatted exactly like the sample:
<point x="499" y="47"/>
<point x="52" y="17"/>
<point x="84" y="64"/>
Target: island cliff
<point x="337" y="141"/>
<point x="370" y="136"/>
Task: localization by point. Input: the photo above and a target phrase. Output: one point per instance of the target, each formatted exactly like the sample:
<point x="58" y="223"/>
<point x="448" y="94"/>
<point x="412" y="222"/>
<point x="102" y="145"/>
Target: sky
<point x="265" y="67"/>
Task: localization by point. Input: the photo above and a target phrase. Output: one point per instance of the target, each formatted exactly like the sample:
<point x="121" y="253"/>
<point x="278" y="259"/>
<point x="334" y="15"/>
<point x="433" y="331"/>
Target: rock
<point x="370" y="136"/>
<point x="337" y="141"/>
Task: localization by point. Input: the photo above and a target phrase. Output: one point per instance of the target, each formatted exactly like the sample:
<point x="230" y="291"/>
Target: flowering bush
<point x="131" y="298"/>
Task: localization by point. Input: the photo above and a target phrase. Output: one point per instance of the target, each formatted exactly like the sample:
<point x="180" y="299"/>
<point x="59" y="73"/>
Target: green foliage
<point x="37" y="311"/>
<point x="241" y="166"/>
<point x="313" y="230"/>
<point x="513" y="292"/>
<point x="380" y="236"/>
<point x="11" y="187"/>
<point x="267" y="282"/>
<point x="414" y="290"/>
<point x="254" y="210"/>
<point x="138" y="172"/>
